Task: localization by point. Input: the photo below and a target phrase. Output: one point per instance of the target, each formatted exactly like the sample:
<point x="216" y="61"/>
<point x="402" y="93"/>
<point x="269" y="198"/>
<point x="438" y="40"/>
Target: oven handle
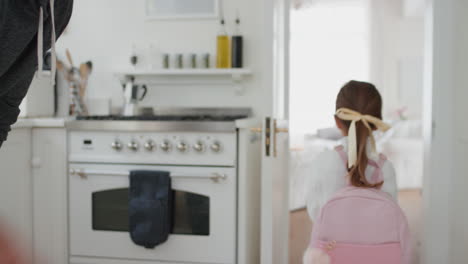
<point x="215" y="176"/>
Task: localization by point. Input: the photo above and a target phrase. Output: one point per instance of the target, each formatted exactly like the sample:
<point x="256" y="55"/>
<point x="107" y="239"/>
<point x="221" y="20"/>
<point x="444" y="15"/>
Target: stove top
<point x="201" y="118"/>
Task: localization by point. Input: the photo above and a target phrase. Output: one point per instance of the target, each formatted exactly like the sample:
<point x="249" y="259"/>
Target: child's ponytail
<point x="357" y="173"/>
<point x="359" y="107"/>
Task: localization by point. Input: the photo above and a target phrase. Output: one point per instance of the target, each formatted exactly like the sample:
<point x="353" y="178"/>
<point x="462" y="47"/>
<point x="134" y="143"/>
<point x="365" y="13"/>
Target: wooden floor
<point x="300" y="226"/>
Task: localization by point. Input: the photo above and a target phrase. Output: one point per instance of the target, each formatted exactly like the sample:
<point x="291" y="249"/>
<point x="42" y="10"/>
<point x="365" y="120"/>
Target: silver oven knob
<point x="199" y="146"/>
<point x="116" y="145"/>
<point x="132" y="145"/>
<point x="166" y="146"/>
<point x="216" y="146"/>
<point x="149" y="145"/>
<point x="181" y="146"/>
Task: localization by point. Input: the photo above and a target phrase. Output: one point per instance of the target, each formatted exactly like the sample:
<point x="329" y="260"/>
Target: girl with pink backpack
<point x="352" y="191"/>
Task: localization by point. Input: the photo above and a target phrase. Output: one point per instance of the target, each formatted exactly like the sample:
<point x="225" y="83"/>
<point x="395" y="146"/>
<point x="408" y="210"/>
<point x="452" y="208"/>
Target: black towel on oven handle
<point x="150" y="207"/>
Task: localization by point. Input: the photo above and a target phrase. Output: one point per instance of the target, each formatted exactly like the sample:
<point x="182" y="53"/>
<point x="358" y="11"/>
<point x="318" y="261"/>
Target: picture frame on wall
<point x="181" y="9"/>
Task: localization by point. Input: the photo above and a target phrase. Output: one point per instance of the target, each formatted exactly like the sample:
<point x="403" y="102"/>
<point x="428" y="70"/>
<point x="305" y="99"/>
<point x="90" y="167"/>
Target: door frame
<point x="438" y="123"/>
<point x="276" y="80"/>
<point x="276" y="57"/>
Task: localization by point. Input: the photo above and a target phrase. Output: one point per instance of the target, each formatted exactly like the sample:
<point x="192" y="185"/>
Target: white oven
<point x="204" y="197"/>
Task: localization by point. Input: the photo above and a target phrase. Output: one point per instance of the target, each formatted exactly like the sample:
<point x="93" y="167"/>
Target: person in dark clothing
<point x="19" y="44"/>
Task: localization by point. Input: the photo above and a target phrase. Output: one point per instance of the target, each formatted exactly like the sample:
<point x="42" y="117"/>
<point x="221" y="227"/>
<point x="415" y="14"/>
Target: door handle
<point x="267" y="134"/>
<point x="267" y="131"/>
<point x="83" y="173"/>
<point x="260" y="130"/>
<point x="256" y="129"/>
<point x="277" y="130"/>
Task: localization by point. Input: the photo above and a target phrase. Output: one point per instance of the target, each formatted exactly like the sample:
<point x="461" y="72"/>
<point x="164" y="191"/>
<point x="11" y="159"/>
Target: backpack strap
<point x="344" y="158"/>
<point x="382" y="160"/>
<point x="377" y="176"/>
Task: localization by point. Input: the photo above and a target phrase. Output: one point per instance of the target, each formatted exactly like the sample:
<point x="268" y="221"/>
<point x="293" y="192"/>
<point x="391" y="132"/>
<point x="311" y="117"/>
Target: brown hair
<point x="364" y="98"/>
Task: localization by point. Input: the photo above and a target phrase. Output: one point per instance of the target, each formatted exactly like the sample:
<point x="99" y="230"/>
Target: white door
<point x="274" y="192"/>
<point x="274" y="236"/>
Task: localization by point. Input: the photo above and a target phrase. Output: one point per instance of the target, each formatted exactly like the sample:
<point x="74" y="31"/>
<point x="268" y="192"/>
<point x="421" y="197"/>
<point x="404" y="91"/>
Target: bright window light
<point x="329" y="46"/>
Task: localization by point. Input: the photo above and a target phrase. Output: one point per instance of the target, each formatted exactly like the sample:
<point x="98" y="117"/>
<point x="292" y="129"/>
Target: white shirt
<point x="328" y="175"/>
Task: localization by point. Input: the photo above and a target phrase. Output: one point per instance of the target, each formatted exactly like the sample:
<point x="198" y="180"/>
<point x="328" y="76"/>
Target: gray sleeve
<point x="390" y="182"/>
<point x="327" y="176"/>
<point x="18" y="50"/>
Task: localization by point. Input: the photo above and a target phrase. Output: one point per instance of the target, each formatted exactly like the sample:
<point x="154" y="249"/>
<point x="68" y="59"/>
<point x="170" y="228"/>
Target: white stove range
<point x="201" y="157"/>
<point x="175" y="148"/>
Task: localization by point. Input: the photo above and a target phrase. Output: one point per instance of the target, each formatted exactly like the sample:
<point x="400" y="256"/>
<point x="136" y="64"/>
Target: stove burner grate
<point x="222" y="118"/>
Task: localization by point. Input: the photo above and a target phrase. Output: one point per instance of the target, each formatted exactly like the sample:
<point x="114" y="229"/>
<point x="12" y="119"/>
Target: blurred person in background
<point x="28" y="29"/>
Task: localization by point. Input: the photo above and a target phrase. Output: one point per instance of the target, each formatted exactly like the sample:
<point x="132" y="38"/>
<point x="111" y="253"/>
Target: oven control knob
<point x="132" y="145"/>
<point x="116" y="145"/>
<point x="199" y="147"/>
<point x="181" y="146"/>
<point x="216" y="146"/>
<point x="166" y="146"/>
<point x="149" y="145"/>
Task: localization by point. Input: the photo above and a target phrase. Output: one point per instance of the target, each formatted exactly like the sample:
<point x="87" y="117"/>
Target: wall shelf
<point x="188" y="77"/>
<point x="233" y="73"/>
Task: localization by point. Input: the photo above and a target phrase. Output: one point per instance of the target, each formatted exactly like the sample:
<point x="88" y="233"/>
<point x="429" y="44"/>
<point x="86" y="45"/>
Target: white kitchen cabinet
<point x="16" y="214"/>
<point x="49" y="181"/>
<point x="33" y="188"/>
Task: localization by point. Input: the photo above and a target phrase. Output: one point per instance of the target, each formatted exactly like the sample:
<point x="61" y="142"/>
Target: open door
<point x="274" y="221"/>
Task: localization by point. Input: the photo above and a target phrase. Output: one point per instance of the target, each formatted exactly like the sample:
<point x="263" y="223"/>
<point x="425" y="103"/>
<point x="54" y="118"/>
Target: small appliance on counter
<point x="132" y="97"/>
<point x="40" y="100"/>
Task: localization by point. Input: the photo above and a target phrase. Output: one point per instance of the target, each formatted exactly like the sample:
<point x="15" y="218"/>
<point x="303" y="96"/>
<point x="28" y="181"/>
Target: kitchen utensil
<point x="85" y="70"/>
<point x="132" y="97"/>
<point x="77" y="81"/>
<point x="69" y="58"/>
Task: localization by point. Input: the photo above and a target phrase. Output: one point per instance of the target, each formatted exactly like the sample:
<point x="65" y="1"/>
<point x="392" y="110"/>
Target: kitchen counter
<point x="73" y="124"/>
<point x="39" y="122"/>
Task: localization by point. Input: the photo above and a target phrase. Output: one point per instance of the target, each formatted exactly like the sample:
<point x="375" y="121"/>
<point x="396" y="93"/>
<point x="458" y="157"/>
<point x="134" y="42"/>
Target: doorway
<point x="332" y="42"/>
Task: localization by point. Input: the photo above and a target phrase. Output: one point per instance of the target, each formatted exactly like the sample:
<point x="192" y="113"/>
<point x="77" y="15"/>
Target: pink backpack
<point x="360" y="226"/>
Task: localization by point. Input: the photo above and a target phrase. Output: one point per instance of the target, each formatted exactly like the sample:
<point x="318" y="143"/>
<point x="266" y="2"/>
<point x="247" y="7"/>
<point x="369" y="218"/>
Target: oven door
<point x="204" y="214"/>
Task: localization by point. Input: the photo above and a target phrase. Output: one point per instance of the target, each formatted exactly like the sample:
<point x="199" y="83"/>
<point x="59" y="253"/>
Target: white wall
<point x="103" y="31"/>
<point x="397" y="45"/>
<point x="445" y="196"/>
